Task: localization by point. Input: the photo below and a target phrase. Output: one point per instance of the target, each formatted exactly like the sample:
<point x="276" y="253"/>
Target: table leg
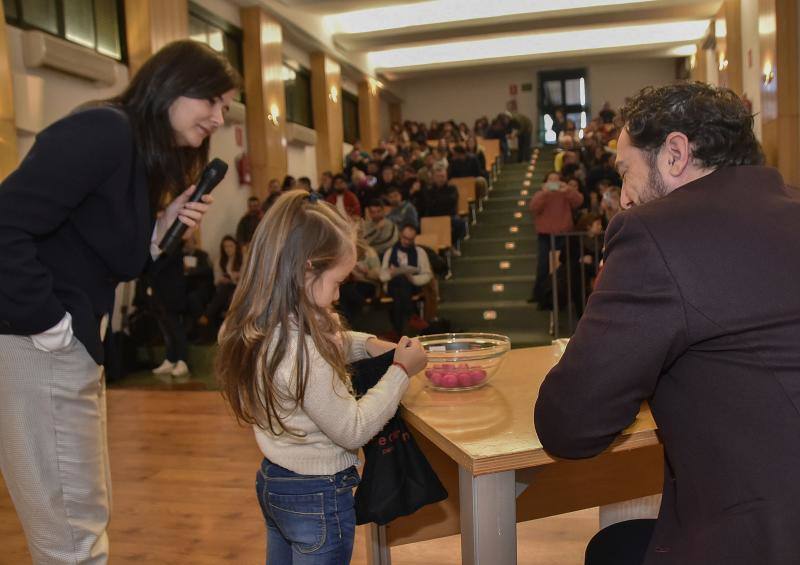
<point x="488" y="518"/>
<point x="646" y="507"/>
<point x="378" y="552"/>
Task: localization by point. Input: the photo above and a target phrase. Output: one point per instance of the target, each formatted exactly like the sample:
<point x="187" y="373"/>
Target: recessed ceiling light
<point x="538" y="44"/>
<point x="432" y="12"/>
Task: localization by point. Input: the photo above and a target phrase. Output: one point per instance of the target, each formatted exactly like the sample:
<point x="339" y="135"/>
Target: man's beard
<point x="656" y="187"/>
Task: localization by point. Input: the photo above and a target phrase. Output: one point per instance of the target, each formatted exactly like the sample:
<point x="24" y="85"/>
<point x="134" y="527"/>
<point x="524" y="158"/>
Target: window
<point x="350" y="117"/>
<point x="297" y="88"/>
<point x="96" y="24"/>
<point x="218" y="34"/>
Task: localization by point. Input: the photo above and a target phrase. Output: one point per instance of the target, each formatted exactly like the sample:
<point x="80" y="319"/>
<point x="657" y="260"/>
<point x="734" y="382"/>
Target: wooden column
<point x="778" y="29"/>
<point x="326" y="93"/>
<point x="368" y="114"/>
<point x="9" y="155"/>
<point x="266" y="101"/>
<point x="151" y="24"/>
<point x="729" y="47"/>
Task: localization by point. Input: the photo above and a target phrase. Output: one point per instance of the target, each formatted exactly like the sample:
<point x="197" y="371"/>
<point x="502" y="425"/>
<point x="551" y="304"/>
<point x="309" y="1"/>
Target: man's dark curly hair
<point x="717" y="123"/>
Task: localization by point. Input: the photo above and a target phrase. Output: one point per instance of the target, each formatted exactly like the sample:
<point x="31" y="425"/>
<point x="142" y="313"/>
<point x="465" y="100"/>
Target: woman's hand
<point x="189" y="213"/>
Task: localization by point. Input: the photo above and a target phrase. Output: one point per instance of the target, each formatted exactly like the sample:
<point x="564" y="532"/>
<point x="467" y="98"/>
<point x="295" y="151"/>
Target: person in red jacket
<point x="344" y="198"/>
<point x="552" y="208"/>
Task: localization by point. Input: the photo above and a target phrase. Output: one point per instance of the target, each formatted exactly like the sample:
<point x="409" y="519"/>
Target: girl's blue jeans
<point x="310" y="518"/>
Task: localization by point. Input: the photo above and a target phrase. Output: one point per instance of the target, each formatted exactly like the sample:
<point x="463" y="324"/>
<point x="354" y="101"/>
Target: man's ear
<point x="678" y="152"/>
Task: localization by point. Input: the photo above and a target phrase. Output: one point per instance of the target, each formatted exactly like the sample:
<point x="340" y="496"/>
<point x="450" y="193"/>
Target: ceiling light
<point x="446" y="11"/>
<point x="538" y="44"/>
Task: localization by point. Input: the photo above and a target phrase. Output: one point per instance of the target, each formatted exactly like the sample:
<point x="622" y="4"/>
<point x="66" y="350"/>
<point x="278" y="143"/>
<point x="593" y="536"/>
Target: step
<point x="476" y="246"/>
<point x="497" y="317"/>
<point x="524" y="228"/>
<point x="495" y="265"/>
<point x="486" y="288"/>
<point x="511" y="202"/>
<point x="504" y="217"/>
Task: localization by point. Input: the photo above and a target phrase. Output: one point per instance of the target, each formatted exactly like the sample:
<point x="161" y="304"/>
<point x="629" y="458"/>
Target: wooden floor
<point x="183" y="479"/>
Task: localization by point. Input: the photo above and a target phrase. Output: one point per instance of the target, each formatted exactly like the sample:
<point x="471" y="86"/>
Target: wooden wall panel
<point x="151" y="24"/>
<point x="9" y="155"/>
<point x="729" y="47"/>
<point x="263" y="87"/>
<point x="368" y="114"/>
<point x="326" y="93"/>
<point x="780" y="107"/>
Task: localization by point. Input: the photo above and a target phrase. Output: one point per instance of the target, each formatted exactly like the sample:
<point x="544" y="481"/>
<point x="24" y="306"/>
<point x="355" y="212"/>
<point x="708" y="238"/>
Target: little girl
<point x="282" y="365"/>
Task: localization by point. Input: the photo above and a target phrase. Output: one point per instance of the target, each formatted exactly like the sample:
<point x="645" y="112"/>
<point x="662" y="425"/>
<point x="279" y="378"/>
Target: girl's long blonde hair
<point x="297" y="238"/>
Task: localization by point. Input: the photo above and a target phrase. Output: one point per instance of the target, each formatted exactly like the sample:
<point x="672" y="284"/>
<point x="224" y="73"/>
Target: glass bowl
<point x="462" y="361"/>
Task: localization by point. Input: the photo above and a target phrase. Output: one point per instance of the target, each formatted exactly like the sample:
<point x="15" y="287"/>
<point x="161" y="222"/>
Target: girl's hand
<point x="189" y="213"/>
<point x="376" y="347"/>
<point x="411" y="355"/>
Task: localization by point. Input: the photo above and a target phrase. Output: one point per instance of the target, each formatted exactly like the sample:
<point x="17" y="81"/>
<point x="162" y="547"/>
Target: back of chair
<point x="466" y="193"/>
<point x="439" y="227"/>
<point x="491" y="150"/>
<point x="428" y="240"/>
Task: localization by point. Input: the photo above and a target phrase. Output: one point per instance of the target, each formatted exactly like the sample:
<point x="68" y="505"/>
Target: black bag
<point x="397" y="478"/>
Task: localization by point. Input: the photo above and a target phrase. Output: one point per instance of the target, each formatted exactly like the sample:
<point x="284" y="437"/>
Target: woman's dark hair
<point x="182" y="68"/>
<point x="717" y="123"/>
<point x="223" y="257"/>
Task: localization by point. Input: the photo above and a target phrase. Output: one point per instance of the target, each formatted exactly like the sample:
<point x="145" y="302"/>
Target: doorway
<point x="564" y="90"/>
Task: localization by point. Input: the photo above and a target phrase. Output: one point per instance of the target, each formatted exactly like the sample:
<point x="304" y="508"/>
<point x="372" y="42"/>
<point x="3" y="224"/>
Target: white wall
<point x="751" y="75"/>
<point x="302" y="162"/>
<point x="465" y="96"/>
<point x="613" y="82"/>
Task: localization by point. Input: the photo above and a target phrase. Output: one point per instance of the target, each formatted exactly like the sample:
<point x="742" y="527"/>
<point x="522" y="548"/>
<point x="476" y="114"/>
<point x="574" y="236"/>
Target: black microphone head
<point x="216" y="169"/>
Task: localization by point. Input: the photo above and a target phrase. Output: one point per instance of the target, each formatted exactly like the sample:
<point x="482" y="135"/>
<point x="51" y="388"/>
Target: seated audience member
<point x="386" y="180"/>
<point x="344" y="199"/>
<point x="610" y="204"/>
<point x="403" y="212"/>
<point x="305" y="184"/>
<point x="441" y="199"/>
<point x="226" y="277"/>
<point x="288" y="183"/>
<point x="425" y="173"/>
<point x="199" y="275"/>
<point x="552" y="208"/>
<point x="463" y="164"/>
<point x="379" y="231"/>
<point x="405" y="268"/>
<point x="249" y="222"/>
<point x="472" y="147"/>
<point x="273" y="191"/>
<point x="440" y="158"/>
<point x="326" y="183"/>
<point x="481" y="126"/>
<point x="604" y="170"/>
<point x="357" y="158"/>
<point x="362" y="284"/>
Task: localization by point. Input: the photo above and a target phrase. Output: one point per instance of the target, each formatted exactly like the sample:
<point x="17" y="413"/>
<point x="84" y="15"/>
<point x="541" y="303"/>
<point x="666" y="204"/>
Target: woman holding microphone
<point x="77" y="217"/>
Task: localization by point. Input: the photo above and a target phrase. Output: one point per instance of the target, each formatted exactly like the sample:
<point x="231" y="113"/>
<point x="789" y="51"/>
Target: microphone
<point x="212" y="175"/>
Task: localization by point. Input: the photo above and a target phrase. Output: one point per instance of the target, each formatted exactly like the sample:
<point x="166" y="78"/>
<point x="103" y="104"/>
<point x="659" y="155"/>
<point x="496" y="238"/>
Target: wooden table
<point x="484" y="448"/>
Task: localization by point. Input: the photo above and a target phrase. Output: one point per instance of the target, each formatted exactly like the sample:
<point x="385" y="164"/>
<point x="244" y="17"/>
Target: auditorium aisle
<point x="494" y="276"/>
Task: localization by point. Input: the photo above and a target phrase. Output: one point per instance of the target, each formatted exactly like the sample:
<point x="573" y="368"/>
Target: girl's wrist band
<point x="399" y="364"/>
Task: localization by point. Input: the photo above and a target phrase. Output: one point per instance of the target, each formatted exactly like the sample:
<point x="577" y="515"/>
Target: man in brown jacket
<point x="697" y="311"/>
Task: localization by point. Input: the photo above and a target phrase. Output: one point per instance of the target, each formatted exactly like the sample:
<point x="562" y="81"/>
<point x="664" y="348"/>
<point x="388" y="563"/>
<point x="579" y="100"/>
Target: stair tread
<point x="464" y="280"/>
